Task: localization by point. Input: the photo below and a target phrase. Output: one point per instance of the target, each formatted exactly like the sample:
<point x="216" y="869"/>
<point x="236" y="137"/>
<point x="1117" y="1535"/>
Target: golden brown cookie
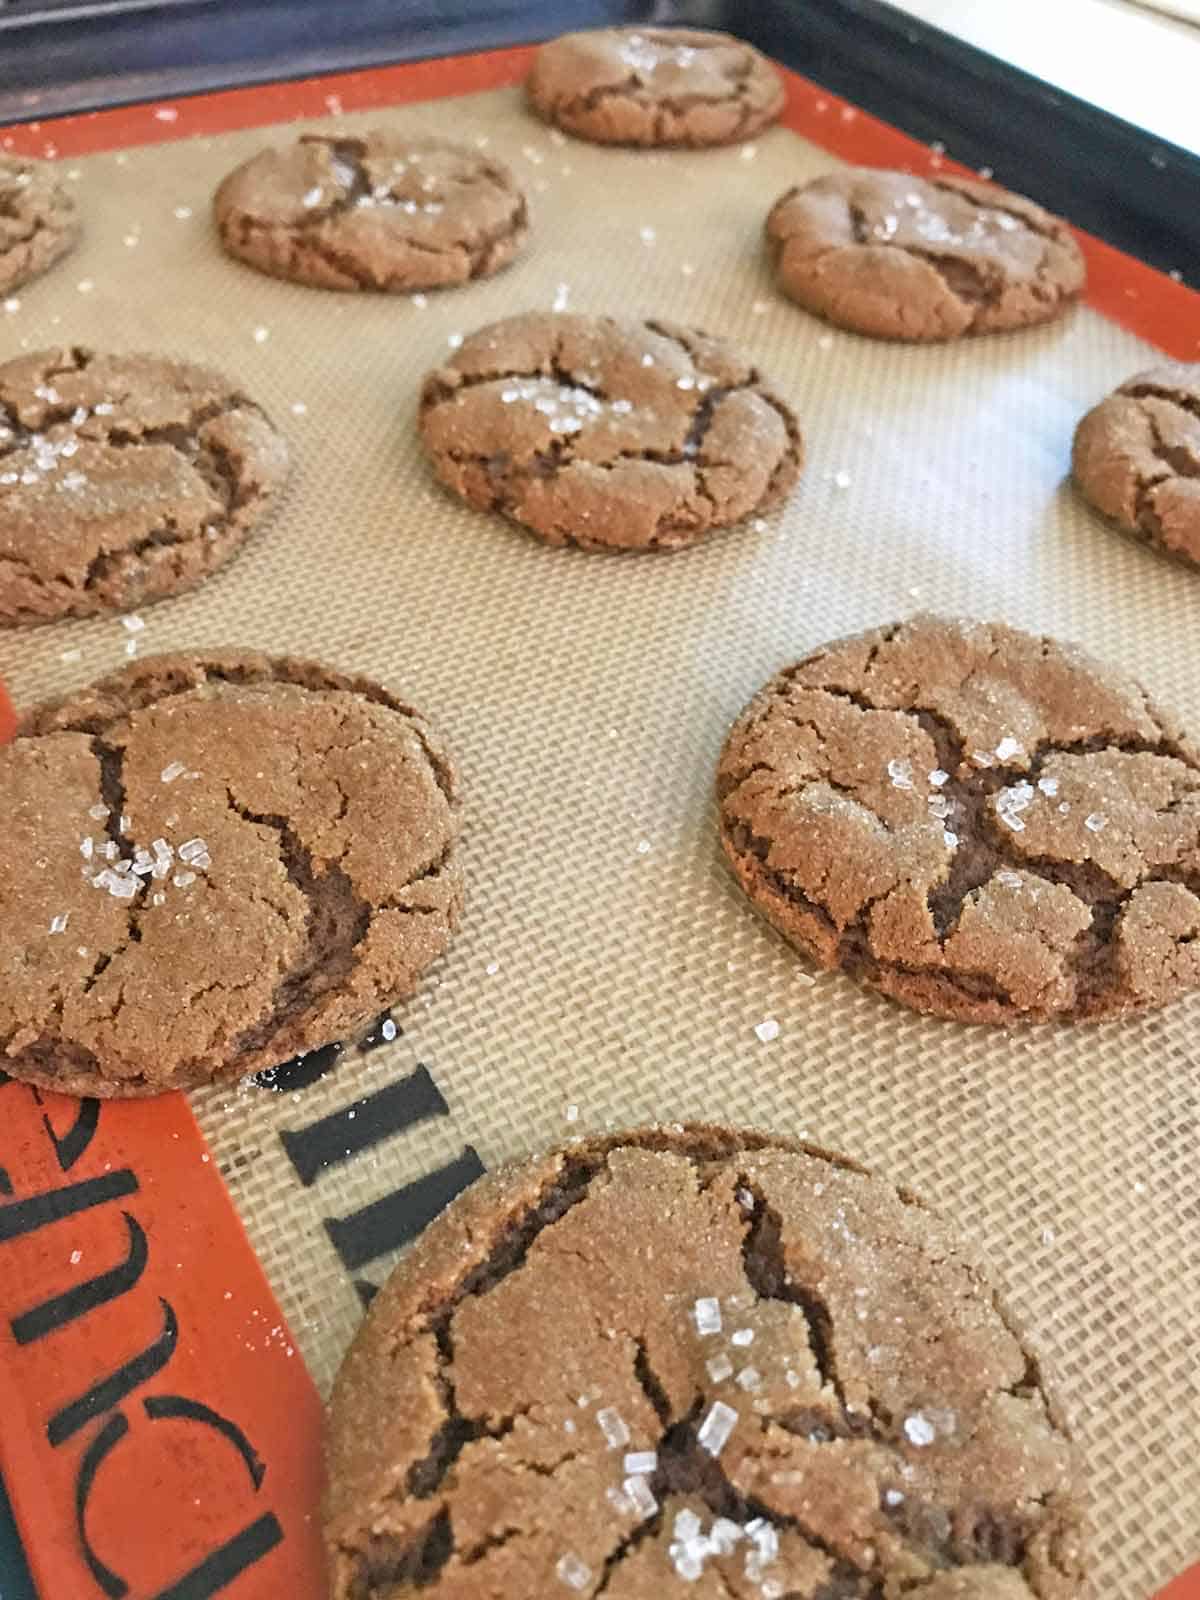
<point x="982" y="824"/>
<point x="900" y="257"/>
<point x="380" y="210"/>
<point x="695" y="1361"/>
<point x="209" y="864"/>
<point x="1137" y="459"/>
<point x="607" y="434"/>
<point x="123" y="479"/>
<point x="655" y="86"/>
<point x="38" y="220"/>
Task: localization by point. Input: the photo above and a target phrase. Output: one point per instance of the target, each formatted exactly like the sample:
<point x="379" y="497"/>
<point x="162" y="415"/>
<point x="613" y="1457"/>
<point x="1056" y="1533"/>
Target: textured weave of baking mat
<point x="608" y="970"/>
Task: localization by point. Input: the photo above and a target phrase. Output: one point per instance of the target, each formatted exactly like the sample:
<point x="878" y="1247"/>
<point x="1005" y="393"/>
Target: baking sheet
<point x="609" y="970"/>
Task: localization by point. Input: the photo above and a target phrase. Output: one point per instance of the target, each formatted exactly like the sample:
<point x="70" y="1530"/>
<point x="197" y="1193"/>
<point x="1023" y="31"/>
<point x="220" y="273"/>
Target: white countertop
<point x="1132" y="59"/>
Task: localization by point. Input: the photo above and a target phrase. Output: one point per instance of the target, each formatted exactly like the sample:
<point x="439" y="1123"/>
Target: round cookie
<point x="38" y="221"/>
<point x="655" y="86"/>
<point x="1136" y="458"/>
<point x="982" y="824"/>
<point x="210" y="864"/>
<point x="379" y="211"/>
<point x="123" y="479"/>
<point x="607" y="434"/>
<point x="899" y="257"/>
<point x="758" y="1371"/>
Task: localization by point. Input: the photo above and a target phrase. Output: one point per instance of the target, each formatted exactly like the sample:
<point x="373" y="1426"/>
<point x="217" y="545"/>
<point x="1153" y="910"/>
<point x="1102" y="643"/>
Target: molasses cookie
<point x="210" y="864"/>
<point x="900" y="257"/>
<point x="1137" y="459"/>
<point x="756" y="1371"/>
<point x="38" y="222"/>
<point x="655" y="86"/>
<point x="982" y="824"/>
<point x="123" y="479"/>
<point x="377" y="211"/>
<point x="607" y="434"/>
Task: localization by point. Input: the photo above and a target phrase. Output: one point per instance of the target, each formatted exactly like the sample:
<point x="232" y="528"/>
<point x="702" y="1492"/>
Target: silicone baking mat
<point x="160" y="1413"/>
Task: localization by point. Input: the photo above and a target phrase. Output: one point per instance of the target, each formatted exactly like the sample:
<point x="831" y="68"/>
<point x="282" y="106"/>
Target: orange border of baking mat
<point x="200" y="1343"/>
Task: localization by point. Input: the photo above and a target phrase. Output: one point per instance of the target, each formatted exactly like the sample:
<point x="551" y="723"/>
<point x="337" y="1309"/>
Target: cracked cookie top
<point x="607" y="434"/>
<point x="900" y="257"/>
<point x="123" y="479"/>
<point x="378" y="211"/>
<point x="209" y="864"/>
<point x="38" y="221"/>
<point x="980" y="823"/>
<point x="696" y="1362"/>
<point x="655" y="86"/>
<point x="1137" y="458"/>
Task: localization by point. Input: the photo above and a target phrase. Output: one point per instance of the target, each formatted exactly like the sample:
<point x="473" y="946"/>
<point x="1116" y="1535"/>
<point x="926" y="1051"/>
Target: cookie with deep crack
<point x="759" y="1372"/>
<point x="982" y="824"/>
<point x="899" y="257"/>
<point x="123" y="479"/>
<point x="378" y="211"/>
<point x="607" y="434"/>
<point x="1136" y="458"/>
<point x="38" y="220"/>
<point x="655" y="86"/>
<point x="212" y="863"/>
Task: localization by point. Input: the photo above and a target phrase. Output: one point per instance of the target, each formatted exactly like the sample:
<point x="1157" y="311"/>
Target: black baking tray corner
<point x="1139" y="193"/>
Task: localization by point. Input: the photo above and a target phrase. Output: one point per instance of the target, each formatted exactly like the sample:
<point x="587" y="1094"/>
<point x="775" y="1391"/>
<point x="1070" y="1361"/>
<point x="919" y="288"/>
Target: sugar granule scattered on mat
<point x="687" y="269"/>
<point x="643" y="847"/>
<point x="825" y="342"/>
<point x="12" y="304"/>
<point x="85" y="285"/>
<point x="647" y="234"/>
<point x="492" y="968"/>
<point x="388" y="1029"/>
<point x="454" y="340"/>
<point x="571" y="1114"/>
<point x="182" y="213"/>
<point x="841" y="480"/>
<point x="742" y="1337"/>
<point x="707" y="1313"/>
<point x="299" y="409"/>
<point x="261" y="335"/>
<point x="640" y="1461"/>
<point x="133" y="623"/>
<point x="612" y="1426"/>
<point x="716" y="1428"/>
<point x="419" y="300"/>
<point x="561" y="295"/>
<point x="767" y="1030"/>
<point x="576" y="1574"/>
<point x="748" y="152"/>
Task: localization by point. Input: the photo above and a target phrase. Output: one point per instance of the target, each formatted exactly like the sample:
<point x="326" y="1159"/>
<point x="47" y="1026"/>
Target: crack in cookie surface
<point x="243" y="858"/>
<point x="604" y="434"/>
<point x="723" y="1310"/>
<point x="977" y="822"/>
